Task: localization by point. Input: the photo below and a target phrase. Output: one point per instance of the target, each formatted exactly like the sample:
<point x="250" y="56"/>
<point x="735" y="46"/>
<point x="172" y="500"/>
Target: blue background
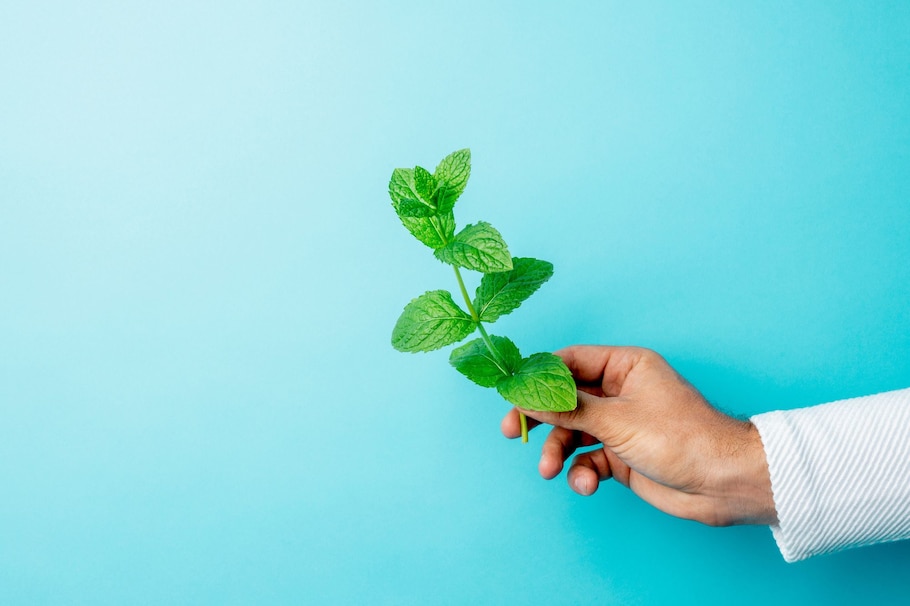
<point x="200" y="270"/>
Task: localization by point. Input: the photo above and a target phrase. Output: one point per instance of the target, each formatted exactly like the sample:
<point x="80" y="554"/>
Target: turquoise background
<point x="200" y="270"/>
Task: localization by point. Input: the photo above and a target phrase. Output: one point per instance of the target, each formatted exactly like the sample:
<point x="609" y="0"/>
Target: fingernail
<point x="581" y="484"/>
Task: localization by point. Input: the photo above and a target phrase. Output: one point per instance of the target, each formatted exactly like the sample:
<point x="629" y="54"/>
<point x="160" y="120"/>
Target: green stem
<point x="467" y="299"/>
<point x="489" y="343"/>
<point x="497" y="358"/>
<point x="434" y="221"/>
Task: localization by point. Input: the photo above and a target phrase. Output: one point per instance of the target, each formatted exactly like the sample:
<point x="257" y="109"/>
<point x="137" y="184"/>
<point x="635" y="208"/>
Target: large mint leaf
<point x="429" y="322"/>
<point x="478" y="247"/>
<point x="503" y="292"/>
<point x="452" y="177"/>
<point x="474" y="360"/>
<point x="542" y="382"/>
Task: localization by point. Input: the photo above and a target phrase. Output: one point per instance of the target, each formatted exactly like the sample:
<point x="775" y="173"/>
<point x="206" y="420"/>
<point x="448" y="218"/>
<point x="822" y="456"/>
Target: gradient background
<point x="200" y="270"/>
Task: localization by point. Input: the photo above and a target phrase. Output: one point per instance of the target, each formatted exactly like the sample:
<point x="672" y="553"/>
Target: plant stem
<point x="467" y="299"/>
<point x="489" y="343"/>
<point x="491" y="346"/>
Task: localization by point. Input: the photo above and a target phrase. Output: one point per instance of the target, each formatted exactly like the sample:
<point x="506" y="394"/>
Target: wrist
<point x="744" y="483"/>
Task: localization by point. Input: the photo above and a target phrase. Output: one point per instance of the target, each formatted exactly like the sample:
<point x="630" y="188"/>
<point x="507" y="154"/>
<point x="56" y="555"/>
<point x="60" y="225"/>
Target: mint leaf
<point x="401" y="186"/>
<point x="542" y="382"/>
<point x="478" y="247"/>
<point x="427" y="229"/>
<point x="501" y="293"/>
<point x="452" y="176"/>
<point x="446" y="223"/>
<point x="455" y="169"/>
<point x="417" y="215"/>
<point x="414" y="208"/>
<point x="474" y="360"/>
<point x="425" y="185"/>
<point x="429" y="322"/>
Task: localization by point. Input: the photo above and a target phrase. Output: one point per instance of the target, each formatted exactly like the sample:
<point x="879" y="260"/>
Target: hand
<point x="658" y="436"/>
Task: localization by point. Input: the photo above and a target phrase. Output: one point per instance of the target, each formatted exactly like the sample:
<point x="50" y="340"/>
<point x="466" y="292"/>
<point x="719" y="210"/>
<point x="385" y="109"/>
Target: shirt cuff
<point x="840" y="473"/>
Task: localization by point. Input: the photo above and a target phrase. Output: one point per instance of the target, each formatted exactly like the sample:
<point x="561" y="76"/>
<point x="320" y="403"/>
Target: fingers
<point x="588" y="470"/>
<point x="603" y="365"/>
<point x="594" y="390"/>
<point x="559" y="446"/>
<point x="587" y="362"/>
<point x="591" y="414"/>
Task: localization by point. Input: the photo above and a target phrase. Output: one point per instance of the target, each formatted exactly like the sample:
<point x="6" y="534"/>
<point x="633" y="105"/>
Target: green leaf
<point x="478" y="247"/>
<point x="431" y="321"/>
<point x="452" y="176"/>
<point x="447" y="225"/>
<point x="503" y="292"/>
<point x="425" y="229"/>
<point x="416" y="215"/>
<point x="401" y="186"/>
<point x="474" y="360"/>
<point x="542" y="382"/>
<point x="425" y="185"/>
<point x="414" y="208"/>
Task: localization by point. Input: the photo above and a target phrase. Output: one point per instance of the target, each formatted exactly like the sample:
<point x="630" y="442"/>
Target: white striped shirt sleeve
<point x="840" y="473"/>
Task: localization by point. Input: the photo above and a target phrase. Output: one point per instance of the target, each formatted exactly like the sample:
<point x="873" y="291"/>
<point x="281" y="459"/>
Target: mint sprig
<point x="424" y="203"/>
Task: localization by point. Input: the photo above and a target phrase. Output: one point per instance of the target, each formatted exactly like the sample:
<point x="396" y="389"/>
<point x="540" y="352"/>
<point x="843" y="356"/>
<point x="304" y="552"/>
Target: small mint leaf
<point x="452" y="175"/>
<point x="508" y="351"/>
<point x="503" y="292"/>
<point x="415" y="214"/>
<point x="425" y="186"/>
<point x="401" y="186"/>
<point x="446" y="197"/>
<point x="479" y="247"/>
<point x="474" y="360"/>
<point x="429" y="322"/>
<point x="447" y="225"/>
<point x="542" y="382"/>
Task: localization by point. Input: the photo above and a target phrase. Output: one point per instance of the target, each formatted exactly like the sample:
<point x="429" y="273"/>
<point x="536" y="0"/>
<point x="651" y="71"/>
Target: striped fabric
<point x="840" y="473"/>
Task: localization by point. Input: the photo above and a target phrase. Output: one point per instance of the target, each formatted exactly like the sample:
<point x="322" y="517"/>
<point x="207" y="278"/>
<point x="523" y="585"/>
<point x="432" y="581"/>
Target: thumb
<point x="592" y="414"/>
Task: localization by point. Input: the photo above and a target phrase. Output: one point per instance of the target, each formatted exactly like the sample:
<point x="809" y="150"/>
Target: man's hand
<point x="658" y="436"/>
